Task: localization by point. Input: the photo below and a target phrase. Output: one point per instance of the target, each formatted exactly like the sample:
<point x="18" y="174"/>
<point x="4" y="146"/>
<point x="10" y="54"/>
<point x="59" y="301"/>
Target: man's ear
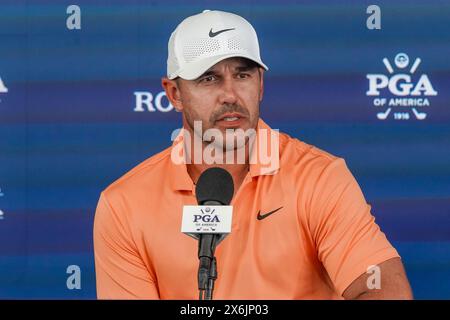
<point x="171" y="87"/>
<point x="261" y="76"/>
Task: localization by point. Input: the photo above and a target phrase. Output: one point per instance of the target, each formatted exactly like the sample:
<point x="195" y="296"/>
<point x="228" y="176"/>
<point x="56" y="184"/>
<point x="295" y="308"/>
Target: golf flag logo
<point x="403" y="93"/>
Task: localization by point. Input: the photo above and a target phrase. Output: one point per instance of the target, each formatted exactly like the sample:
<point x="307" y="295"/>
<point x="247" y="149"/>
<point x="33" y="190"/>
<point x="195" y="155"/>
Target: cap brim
<point x="196" y="69"/>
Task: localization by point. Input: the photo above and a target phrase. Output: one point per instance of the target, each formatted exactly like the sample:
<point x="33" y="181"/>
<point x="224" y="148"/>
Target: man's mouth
<point x="230" y="116"/>
<point x="230" y="120"/>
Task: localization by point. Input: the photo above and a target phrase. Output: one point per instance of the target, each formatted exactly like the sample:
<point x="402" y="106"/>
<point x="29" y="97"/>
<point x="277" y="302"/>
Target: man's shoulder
<point x="145" y="173"/>
<point x="305" y="165"/>
<point x="297" y="153"/>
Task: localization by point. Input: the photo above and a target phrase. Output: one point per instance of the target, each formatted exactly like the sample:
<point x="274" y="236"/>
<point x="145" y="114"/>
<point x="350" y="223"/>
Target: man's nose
<point x="228" y="93"/>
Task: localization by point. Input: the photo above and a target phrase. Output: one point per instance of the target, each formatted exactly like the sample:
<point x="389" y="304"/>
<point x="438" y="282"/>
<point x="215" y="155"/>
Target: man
<point x="301" y="226"/>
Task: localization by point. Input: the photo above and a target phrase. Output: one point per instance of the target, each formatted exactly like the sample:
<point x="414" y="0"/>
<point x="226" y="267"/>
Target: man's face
<point x="227" y="96"/>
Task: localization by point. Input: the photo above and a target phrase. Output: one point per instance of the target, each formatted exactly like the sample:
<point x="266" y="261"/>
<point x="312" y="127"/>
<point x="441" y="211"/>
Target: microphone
<point x="209" y="222"/>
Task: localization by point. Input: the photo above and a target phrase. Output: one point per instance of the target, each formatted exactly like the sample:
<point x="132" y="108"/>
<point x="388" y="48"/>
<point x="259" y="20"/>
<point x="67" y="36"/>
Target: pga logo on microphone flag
<point x="207" y="219"/>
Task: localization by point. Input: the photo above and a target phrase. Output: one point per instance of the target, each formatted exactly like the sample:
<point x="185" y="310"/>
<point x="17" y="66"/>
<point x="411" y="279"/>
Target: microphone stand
<point x="207" y="269"/>
<point x="211" y="278"/>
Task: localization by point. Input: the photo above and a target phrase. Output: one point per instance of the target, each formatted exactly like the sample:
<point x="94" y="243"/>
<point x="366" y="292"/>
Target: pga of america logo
<point x="207" y="219"/>
<point x="406" y="91"/>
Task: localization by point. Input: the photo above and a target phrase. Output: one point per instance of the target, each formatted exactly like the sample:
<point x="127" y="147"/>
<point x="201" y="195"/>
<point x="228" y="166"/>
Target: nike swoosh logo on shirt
<point x="263" y="216"/>
<point x="213" y="34"/>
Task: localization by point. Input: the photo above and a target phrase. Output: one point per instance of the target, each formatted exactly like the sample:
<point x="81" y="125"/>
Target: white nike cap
<point x="202" y="40"/>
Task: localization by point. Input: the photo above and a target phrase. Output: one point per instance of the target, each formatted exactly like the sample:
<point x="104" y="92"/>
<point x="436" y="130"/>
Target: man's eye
<point x="207" y="79"/>
<point x="243" y="75"/>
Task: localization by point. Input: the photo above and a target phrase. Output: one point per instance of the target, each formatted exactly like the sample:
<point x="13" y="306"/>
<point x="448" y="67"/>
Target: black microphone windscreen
<point x="214" y="184"/>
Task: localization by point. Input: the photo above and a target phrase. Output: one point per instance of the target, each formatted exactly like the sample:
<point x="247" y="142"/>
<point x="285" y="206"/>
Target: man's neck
<point x="237" y="169"/>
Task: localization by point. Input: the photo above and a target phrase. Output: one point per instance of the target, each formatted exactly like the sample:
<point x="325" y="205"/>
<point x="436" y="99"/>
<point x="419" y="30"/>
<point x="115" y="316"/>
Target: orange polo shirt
<point x="321" y="240"/>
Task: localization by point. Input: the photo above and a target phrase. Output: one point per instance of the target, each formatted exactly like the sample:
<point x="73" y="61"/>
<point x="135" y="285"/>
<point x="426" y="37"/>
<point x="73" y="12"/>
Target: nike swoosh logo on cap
<point x="262" y="216"/>
<point x="213" y="34"/>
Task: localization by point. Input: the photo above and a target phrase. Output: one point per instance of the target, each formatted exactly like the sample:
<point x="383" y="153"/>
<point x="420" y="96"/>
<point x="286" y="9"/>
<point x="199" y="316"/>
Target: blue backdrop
<point x="71" y="121"/>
